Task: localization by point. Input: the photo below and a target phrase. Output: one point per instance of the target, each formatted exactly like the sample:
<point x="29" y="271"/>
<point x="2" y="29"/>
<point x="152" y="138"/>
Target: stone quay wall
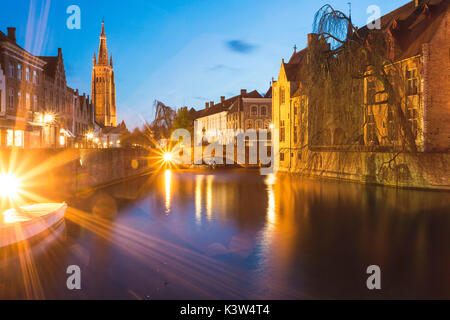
<point x="61" y="174"/>
<point x="418" y="170"/>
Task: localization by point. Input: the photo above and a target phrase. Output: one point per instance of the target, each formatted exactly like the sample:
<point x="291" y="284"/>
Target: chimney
<point x="60" y="52"/>
<point x="211" y="104"/>
<point x="243" y="92"/>
<point x="222" y="99"/>
<point x="206" y="105"/>
<point x="12" y="34"/>
<point x="312" y="37"/>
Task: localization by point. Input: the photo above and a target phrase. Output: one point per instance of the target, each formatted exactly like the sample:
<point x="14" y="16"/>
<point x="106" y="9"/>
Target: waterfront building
<point x="419" y="47"/>
<point x="21" y="94"/>
<point x="37" y="108"/>
<point x="246" y="111"/>
<point x="103" y="85"/>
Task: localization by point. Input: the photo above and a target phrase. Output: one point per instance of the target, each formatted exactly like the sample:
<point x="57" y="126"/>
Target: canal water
<point x="238" y="235"/>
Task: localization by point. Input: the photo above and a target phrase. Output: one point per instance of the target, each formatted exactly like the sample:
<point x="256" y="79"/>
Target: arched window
<point x="264" y="111"/>
<point x="254" y="110"/>
<point x="249" y="124"/>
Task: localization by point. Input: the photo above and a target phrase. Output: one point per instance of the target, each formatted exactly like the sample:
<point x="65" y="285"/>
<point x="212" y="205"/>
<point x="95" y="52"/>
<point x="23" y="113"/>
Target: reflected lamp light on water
<point x="9" y="186"/>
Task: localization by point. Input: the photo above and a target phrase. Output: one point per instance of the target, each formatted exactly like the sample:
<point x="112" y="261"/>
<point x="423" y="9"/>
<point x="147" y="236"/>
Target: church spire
<point x="103" y="49"/>
<point x="95" y="59"/>
<point x="103" y="29"/>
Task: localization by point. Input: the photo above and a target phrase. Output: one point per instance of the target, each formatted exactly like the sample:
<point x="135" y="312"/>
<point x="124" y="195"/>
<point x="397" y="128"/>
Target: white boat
<point x="23" y="223"/>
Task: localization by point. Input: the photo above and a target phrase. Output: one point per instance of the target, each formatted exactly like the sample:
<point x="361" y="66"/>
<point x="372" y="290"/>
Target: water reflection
<point x="198" y="198"/>
<point x="168" y="185"/>
<point x="238" y="235"/>
<point x="209" y="196"/>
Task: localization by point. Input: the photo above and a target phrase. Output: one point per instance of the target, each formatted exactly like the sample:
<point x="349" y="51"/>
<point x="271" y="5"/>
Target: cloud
<point x="221" y="67"/>
<point x="240" y="46"/>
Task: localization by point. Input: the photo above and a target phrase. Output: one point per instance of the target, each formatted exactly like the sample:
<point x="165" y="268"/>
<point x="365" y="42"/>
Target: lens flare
<point x="9" y="186"/>
<point x="168" y="157"/>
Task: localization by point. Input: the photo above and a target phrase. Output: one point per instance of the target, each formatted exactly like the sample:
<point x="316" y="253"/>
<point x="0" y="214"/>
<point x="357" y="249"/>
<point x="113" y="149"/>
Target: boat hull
<point x="21" y="225"/>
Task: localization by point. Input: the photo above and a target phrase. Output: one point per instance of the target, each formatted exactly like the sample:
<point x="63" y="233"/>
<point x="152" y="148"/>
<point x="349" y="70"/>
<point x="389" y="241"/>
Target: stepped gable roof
<point x="412" y="26"/>
<point x="51" y="65"/>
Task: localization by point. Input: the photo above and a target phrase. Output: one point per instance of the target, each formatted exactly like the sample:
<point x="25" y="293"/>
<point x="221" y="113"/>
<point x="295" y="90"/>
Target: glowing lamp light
<point x="9" y="186"/>
<point x="272" y="126"/>
<point x="168" y="157"/>
<point x="90" y="136"/>
<point x="49" y="118"/>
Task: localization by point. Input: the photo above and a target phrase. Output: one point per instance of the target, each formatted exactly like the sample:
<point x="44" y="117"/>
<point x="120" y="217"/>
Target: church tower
<point x="103" y="85"/>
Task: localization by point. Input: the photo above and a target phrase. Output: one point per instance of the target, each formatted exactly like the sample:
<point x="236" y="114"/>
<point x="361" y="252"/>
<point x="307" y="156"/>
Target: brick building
<point x="247" y="111"/>
<point x="420" y="46"/>
<point x="37" y="108"/>
<point x="103" y="85"/>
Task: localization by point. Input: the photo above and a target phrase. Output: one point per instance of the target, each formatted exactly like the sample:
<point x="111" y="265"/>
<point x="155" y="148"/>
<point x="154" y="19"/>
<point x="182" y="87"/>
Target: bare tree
<point x="164" y="117"/>
<point x="338" y="62"/>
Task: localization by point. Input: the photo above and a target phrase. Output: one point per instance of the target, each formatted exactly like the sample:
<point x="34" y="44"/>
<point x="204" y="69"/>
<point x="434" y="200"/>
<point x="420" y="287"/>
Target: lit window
<point x="18" y="138"/>
<point x="281" y="156"/>
<point x="27" y="74"/>
<point x="9" y="138"/>
<point x="19" y="72"/>
<point x="14" y="138"/>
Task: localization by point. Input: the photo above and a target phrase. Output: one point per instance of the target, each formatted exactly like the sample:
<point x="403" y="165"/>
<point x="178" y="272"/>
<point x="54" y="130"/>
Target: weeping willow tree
<point x="339" y="59"/>
<point x="163" y="122"/>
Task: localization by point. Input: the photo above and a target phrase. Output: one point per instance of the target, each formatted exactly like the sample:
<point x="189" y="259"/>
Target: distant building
<point x="247" y="111"/>
<point x="103" y="86"/>
<point x="109" y="137"/>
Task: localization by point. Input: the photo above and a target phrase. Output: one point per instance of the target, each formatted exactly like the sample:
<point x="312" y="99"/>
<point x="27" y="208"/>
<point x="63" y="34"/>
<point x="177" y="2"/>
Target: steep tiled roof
<point x="412" y="26"/>
<point x="268" y="93"/>
<point x="226" y="105"/>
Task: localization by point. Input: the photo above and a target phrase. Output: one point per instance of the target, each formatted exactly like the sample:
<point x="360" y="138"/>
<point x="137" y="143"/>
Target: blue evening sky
<point x="180" y="52"/>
